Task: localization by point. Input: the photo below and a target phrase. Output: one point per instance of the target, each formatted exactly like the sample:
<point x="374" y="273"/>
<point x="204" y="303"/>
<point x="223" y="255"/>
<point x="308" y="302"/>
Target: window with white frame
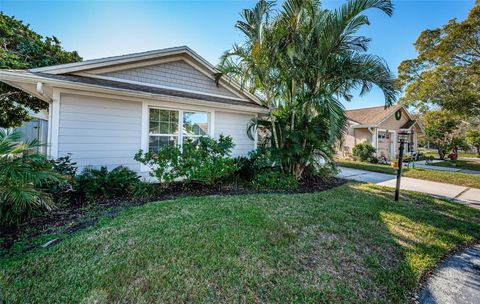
<point x="164" y="126"/>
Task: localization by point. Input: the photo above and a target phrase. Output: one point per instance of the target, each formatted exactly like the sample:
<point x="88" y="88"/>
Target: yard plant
<point x="205" y="161"/>
<point x="24" y="175"/>
<point x="301" y="60"/>
<point x="365" y="152"/>
<point x="95" y="184"/>
<point x="445" y="72"/>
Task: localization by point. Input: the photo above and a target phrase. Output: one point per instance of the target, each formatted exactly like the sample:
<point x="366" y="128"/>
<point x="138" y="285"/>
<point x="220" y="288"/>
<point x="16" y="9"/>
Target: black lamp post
<point x="402" y="137"/>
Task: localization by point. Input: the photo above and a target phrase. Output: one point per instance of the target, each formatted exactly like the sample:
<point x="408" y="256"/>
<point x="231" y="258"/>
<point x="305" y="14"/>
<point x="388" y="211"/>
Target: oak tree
<point x="446" y="72"/>
<point x="22" y="48"/>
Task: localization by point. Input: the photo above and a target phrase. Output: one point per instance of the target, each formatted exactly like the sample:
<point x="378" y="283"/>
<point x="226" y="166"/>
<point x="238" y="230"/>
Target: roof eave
<point x="12" y="77"/>
<point x="101" y="62"/>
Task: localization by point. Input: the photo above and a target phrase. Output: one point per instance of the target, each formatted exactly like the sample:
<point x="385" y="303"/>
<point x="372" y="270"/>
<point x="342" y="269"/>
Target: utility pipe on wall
<point x="41" y="91"/>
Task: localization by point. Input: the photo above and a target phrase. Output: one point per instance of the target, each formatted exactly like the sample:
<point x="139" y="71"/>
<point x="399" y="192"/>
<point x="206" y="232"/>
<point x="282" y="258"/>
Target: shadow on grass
<point x="426" y="229"/>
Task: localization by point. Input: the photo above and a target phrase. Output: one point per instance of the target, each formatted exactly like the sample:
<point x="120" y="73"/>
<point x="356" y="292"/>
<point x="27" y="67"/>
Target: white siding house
<point x="104" y="111"/>
<point x="100" y="131"/>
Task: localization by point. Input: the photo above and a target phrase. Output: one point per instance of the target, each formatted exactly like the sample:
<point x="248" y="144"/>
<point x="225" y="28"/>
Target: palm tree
<point x="302" y="60"/>
<point x="22" y="175"/>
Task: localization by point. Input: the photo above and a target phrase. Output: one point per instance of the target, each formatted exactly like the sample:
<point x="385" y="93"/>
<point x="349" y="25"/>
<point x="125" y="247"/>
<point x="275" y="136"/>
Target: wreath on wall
<point x="398" y="115"/>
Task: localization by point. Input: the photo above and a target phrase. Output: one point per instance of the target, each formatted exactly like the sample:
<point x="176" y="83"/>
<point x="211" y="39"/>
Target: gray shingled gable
<point x="177" y="74"/>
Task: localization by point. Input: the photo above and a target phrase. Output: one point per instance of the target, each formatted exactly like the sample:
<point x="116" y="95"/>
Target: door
<point x="382" y="146"/>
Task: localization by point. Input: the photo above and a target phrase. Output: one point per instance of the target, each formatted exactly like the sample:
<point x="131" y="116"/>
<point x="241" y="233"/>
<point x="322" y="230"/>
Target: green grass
<point x="455" y="178"/>
<point x="461" y="164"/>
<point x="348" y="244"/>
<point x="367" y="166"/>
<point x="434" y="153"/>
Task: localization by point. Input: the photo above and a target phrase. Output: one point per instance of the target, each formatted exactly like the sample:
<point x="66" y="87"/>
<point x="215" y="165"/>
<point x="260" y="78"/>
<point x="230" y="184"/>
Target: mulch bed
<point x="80" y="216"/>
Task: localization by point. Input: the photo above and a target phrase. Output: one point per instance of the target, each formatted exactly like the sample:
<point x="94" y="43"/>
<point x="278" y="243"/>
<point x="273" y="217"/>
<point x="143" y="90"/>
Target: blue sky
<point x="106" y="28"/>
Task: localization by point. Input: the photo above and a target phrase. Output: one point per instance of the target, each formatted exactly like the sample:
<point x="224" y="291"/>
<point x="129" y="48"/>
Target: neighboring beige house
<point x="380" y="126"/>
<point x="103" y="111"/>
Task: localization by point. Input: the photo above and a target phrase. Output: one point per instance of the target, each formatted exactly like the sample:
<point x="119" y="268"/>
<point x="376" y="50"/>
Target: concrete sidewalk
<point x="461" y="194"/>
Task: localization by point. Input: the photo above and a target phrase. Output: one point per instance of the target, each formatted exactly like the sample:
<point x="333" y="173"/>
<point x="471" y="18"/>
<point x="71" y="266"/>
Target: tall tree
<point x="473" y="138"/>
<point x="301" y="60"/>
<point x="22" y="48"/>
<point x="441" y="130"/>
<point x="446" y="72"/>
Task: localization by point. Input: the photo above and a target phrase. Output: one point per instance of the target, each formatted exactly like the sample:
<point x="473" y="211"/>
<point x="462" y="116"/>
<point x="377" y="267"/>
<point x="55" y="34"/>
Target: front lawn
<point x="348" y="244"/>
<point x="366" y="166"/>
<point x="434" y="153"/>
<point x="460" y="164"/>
<point x="455" y="178"/>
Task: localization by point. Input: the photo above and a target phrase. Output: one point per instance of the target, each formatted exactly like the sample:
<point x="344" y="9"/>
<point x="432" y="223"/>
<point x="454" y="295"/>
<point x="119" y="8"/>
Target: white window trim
<point x="179" y="124"/>
<point x="54" y="125"/>
<point x="146" y="106"/>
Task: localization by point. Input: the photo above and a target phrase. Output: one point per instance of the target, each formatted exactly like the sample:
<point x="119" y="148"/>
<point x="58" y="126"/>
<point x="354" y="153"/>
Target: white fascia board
<point x="362" y="126"/>
<point x="19" y="86"/>
<point x="101" y="62"/>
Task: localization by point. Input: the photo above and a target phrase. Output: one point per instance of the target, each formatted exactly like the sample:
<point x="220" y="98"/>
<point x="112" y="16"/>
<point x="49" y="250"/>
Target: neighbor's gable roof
<point x="371" y="116"/>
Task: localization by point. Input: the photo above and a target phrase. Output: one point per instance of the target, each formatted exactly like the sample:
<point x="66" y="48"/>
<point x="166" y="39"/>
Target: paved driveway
<point x="465" y="195"/>
<point x="455" y="281"/>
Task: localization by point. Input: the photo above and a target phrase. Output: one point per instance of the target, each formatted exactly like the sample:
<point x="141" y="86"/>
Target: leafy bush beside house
<point x="104" y="184"/>
<point x="274" y="180"/>
<point x="205" y="161"/>
<point x="365" y="152"/>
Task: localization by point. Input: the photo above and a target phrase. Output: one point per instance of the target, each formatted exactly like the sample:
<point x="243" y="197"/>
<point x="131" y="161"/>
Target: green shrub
<point x="365" y="153"/>
<point x="101" y="184"/>
<point x="62" y="191"/>
<point x="324" y="171"/>
<point x="274" y="180"/>
<point x="64" y="165"/>
<point x="205" y="161"/>
<point x="144" y="190"/>
<point x="256" y="162"/>
<point x="23" y="173"/>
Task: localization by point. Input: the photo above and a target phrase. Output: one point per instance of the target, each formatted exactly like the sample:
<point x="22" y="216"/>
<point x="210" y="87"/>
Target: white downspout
<point x="374" y="136"/>
<point x="41" y="91"/>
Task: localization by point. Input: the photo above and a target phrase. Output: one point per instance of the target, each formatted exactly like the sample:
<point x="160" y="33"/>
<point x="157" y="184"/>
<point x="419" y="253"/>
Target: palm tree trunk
<point x="274" y="131"/>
